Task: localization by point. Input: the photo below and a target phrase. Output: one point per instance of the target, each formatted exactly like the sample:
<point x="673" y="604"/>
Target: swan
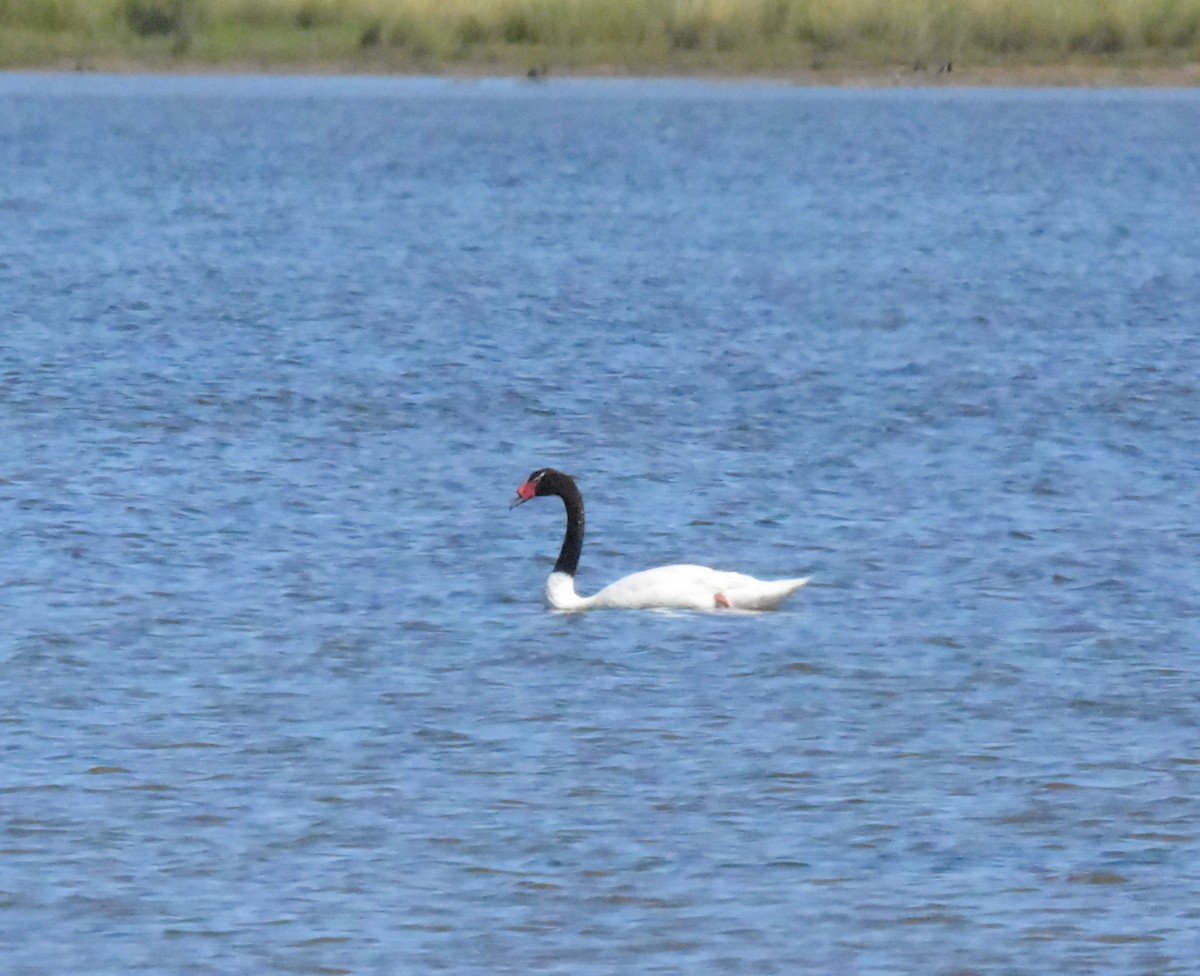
<point x="681" y="587"/>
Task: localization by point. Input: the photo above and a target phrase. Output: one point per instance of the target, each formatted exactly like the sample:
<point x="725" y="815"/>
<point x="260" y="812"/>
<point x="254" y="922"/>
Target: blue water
<point x="278" y="692"/>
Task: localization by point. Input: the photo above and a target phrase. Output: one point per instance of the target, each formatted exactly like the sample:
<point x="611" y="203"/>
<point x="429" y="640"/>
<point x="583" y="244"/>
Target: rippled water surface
<point x="278" y="690"/>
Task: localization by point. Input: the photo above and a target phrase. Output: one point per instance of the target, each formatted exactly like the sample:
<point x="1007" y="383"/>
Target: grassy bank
<point x="778" y="37"/>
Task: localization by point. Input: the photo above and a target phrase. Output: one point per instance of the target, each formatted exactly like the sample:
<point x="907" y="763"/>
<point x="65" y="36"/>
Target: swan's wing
<point x="720" y="580"/>
<point x="679" y="587"/>
<point x="689" y="587"/>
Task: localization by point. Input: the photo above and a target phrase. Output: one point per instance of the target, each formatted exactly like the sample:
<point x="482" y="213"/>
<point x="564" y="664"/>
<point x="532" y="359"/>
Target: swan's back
<point x="688" y="587"/>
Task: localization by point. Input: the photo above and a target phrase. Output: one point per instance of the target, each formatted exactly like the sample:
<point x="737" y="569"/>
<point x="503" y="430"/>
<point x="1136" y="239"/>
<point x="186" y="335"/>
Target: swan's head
<point x="544" y="481"/>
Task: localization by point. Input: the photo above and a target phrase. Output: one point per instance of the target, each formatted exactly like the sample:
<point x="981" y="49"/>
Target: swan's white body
<point x="682" y="587"/>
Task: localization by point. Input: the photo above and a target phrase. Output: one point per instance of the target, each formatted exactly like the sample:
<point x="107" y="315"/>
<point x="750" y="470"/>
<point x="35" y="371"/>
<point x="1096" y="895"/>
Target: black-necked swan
<point x="667" y="587"/>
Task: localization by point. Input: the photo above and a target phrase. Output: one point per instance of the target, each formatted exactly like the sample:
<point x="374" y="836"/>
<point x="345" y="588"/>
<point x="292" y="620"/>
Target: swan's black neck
<point x="563" y="485"/>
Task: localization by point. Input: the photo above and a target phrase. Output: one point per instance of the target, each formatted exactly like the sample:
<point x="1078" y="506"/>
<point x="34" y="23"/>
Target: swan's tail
<point x="764" y="594"/>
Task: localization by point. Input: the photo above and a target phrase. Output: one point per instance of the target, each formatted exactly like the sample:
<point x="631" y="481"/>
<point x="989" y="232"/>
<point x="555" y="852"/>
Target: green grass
<point x="615" y="35"/>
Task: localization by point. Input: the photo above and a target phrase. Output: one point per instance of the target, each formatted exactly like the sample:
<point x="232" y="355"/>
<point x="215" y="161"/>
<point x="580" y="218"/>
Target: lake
<point x="280" y="692"/>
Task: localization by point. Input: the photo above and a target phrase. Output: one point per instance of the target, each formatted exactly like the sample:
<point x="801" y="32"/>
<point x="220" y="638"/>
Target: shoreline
<point x="1066" y="75"/>
<point x="875" y="43"/>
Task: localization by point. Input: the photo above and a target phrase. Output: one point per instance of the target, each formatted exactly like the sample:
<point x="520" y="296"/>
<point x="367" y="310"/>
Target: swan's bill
<point x="524" y="493"/>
